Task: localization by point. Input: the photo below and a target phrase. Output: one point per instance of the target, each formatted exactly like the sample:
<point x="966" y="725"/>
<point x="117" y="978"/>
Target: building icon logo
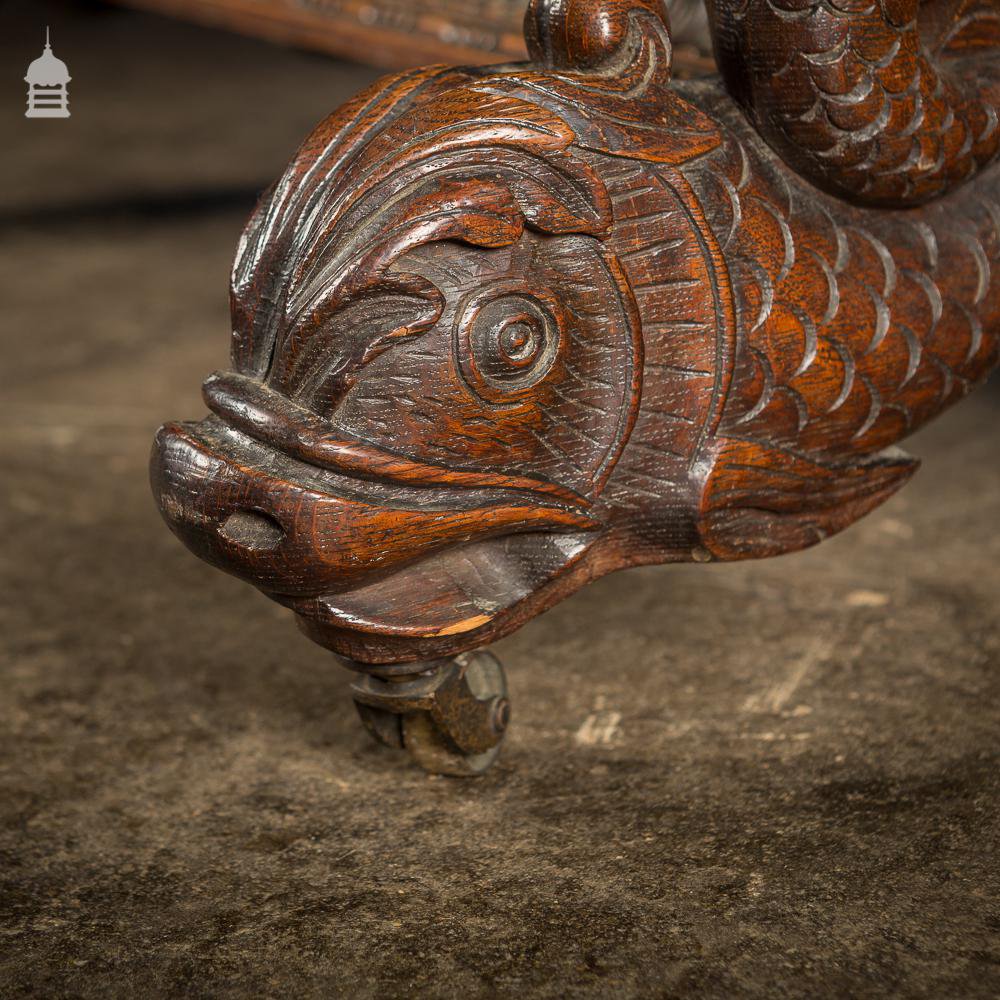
<point x="47" y="81"/>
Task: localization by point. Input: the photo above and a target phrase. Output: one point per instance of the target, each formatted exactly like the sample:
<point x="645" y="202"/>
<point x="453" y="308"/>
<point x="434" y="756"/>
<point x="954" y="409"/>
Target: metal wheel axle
<point x="450" y="715"/>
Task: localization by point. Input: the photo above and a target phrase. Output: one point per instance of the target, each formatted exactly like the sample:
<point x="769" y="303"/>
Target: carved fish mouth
<point x="260" y="412"/>
<point x="239" y="490"/>
<point x="448" y="602"/>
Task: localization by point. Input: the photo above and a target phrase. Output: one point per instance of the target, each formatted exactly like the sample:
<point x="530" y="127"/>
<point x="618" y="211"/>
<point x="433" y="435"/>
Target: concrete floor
<point x="766" y="780"/>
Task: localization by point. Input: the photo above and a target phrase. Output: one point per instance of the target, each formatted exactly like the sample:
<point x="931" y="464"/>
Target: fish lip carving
<point x="253" y="408"/>
<point x="261" y="490"/>
<point x="331" y="532"/>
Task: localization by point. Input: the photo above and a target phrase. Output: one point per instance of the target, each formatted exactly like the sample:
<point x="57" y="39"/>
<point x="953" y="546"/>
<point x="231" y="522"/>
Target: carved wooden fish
<point x="499" y="331"/>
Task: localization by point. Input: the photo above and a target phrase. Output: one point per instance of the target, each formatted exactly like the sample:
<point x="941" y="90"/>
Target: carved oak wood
<point x="401" y="33"/>
<point x="499" y="331"/>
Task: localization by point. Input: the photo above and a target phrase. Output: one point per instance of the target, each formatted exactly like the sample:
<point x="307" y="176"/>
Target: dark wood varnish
<point x="401" y="33"/>
<point x="499" y="331"/>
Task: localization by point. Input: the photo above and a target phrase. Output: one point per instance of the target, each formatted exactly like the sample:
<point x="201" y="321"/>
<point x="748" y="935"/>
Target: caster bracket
<point x="451" y="715"/>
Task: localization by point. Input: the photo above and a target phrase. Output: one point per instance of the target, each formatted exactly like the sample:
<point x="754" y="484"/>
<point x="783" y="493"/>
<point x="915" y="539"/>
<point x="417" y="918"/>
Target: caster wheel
<point x="450" y="718"/>
<point x="429" y="742"/>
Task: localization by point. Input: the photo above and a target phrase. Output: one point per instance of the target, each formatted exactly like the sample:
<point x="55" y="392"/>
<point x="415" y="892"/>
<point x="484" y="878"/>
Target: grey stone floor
<point x="767" y="780"/>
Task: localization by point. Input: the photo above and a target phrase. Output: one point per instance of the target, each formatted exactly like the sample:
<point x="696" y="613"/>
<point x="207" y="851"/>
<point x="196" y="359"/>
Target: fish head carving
<point x="431" y="348"/>
<point x="435" y="350"/>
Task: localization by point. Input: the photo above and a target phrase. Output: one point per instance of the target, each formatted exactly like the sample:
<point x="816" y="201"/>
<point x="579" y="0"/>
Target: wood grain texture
<point x="499" y="331"/>
<point x="396" y="34"/>
<point x="883" y="103"/>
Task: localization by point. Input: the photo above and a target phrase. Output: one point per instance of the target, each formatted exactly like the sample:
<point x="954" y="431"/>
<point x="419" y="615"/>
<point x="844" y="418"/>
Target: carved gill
<point x="865" y="99"/>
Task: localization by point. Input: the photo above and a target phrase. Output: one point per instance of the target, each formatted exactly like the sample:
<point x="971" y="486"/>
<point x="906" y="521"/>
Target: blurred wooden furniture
<point x="401" y="33"/>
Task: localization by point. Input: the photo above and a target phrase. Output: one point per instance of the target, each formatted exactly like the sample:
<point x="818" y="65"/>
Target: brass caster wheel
<point x="450" y="717"/>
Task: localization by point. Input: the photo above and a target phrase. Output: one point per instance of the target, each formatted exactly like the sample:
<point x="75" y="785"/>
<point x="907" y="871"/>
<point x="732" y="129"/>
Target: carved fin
<point x="761" y="501"/>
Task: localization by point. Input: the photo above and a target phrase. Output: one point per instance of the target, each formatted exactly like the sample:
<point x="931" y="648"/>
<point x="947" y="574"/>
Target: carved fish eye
<point x="506" y="343"/>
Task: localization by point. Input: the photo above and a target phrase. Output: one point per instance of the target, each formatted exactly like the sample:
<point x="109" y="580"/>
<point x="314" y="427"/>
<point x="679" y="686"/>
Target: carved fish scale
<point x="861" y="97"/>
<point x="499" y="331"/>
<point x="856" y="327"/>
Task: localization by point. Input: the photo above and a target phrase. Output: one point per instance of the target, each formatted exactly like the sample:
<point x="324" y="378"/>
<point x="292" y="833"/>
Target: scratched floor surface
<point x="767" y="780"/>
